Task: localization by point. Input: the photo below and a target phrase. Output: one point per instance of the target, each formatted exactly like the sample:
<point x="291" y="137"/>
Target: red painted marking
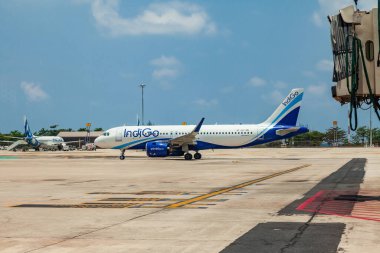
<point x="325" y="202"/>
<point x="310" y="200"/>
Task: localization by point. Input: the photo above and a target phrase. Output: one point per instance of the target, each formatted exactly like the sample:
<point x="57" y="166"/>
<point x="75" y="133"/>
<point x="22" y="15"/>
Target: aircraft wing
<point x="187" y="138"/>
<point x="283" y="132"/>
<point x="68" y="142"/>
<point x="13" y="137"/>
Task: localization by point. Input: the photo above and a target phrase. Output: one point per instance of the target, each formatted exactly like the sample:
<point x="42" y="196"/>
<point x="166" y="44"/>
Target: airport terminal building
<point x="80" y="137"/>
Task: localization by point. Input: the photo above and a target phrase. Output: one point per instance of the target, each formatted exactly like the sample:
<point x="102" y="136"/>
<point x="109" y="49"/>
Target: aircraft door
<point x="119" y="135"/>
<point x="258" y="131"/>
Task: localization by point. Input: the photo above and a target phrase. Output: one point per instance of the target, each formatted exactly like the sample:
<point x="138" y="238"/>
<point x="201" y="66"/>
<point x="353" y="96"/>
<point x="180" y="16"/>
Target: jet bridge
<point x="356" y="55"/>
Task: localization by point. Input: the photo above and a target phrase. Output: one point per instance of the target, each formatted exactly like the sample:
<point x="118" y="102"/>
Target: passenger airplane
<point x="38" y="142"/>
<point x="162" y="141"/>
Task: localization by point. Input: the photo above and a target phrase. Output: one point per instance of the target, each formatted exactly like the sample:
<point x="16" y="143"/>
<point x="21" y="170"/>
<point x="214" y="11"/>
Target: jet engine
<point x="157" y="149"/>
<point x="162" y="149"/>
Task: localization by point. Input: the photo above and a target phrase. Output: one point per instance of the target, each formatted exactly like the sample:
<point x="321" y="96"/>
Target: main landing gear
<point x="122" y="157"/>
<point x="189" y="156"/>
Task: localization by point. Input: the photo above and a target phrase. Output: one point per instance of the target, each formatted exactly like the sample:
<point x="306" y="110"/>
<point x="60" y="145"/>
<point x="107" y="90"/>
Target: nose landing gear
<point x="122" y="157"/>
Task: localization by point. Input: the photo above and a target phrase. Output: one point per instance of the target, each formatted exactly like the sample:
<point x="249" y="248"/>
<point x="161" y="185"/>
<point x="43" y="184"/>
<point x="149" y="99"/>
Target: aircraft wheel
<point x="122" y="157"/>
<point x="197" y="156"/>
<point x="188" y="156"/>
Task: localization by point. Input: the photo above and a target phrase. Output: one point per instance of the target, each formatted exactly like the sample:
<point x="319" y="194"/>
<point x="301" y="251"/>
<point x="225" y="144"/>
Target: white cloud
<point x="275" y="97"/>
<point x="280" y="85"/>
<point x="166" y="67"/>
<point x="157" y="19"/>
<point x="317" y="19"/>
<point x="227" y="89"/>
<point x="317" y="89"/>
<point x="206" y="103"/>
<point x="257" y="82"/>
<point x="332" y="7"/>
<point x="308" y="73"/>
<point x="33" y="91"/>
<point x="164" y="73"/>
<point x="325" y="65"/>
<point x="165" y="61"/>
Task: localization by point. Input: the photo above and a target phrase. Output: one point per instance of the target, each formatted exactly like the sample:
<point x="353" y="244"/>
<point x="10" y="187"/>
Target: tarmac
<point x="231" y="201"/>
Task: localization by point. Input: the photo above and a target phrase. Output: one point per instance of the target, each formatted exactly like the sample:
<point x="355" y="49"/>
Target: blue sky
<point x="77" y="61"/>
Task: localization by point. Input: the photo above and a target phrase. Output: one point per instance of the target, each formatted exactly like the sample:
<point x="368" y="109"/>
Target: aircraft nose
<point x="98" y="141"/>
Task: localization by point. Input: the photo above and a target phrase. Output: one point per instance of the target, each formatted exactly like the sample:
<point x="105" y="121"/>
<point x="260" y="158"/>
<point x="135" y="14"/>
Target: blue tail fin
<point x="27" y="132"/>
<point x="287" y="113"/>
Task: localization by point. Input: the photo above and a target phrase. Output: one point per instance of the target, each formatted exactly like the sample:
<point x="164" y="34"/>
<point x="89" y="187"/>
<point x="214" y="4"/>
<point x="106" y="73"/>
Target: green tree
<point x="98" y="129"/>
<point x="312" y="138"/>
<point x="51" y="132"/>
<point x="376" y="136"/>
<point x="337" y="134"/>
<point x="16" y="133"/>
<point x="82" y="129"/>
<point x="361" y="135"/>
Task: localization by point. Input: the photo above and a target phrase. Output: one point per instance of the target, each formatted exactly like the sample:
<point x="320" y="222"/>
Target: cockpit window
<point x="106" y="134"/>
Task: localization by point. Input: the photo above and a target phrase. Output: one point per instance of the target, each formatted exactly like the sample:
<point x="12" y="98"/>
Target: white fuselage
<point x="50" y="140"/>
<point x="228" y="136"/>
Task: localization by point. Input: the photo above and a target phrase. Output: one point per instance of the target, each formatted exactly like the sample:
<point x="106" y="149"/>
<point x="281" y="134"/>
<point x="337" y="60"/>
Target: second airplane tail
<point x="28" y="134"/>
<point x="287" y="112"/>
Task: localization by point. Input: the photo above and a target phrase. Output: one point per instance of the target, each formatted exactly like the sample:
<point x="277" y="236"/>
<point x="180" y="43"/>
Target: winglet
<point x="198" y="127"/>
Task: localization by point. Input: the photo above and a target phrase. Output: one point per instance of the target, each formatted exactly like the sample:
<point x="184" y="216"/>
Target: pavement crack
<point x="298" y="235"/>
<point x="93" y="231"/>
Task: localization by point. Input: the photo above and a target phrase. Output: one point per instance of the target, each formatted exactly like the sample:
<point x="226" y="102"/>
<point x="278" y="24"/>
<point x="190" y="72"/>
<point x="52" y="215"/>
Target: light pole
<point x="370" y="126"/>
<point x="142" y="103"/>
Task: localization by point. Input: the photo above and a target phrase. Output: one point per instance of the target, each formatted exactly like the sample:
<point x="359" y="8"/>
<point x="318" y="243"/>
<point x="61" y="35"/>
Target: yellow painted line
<point x="228" y="189"/>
